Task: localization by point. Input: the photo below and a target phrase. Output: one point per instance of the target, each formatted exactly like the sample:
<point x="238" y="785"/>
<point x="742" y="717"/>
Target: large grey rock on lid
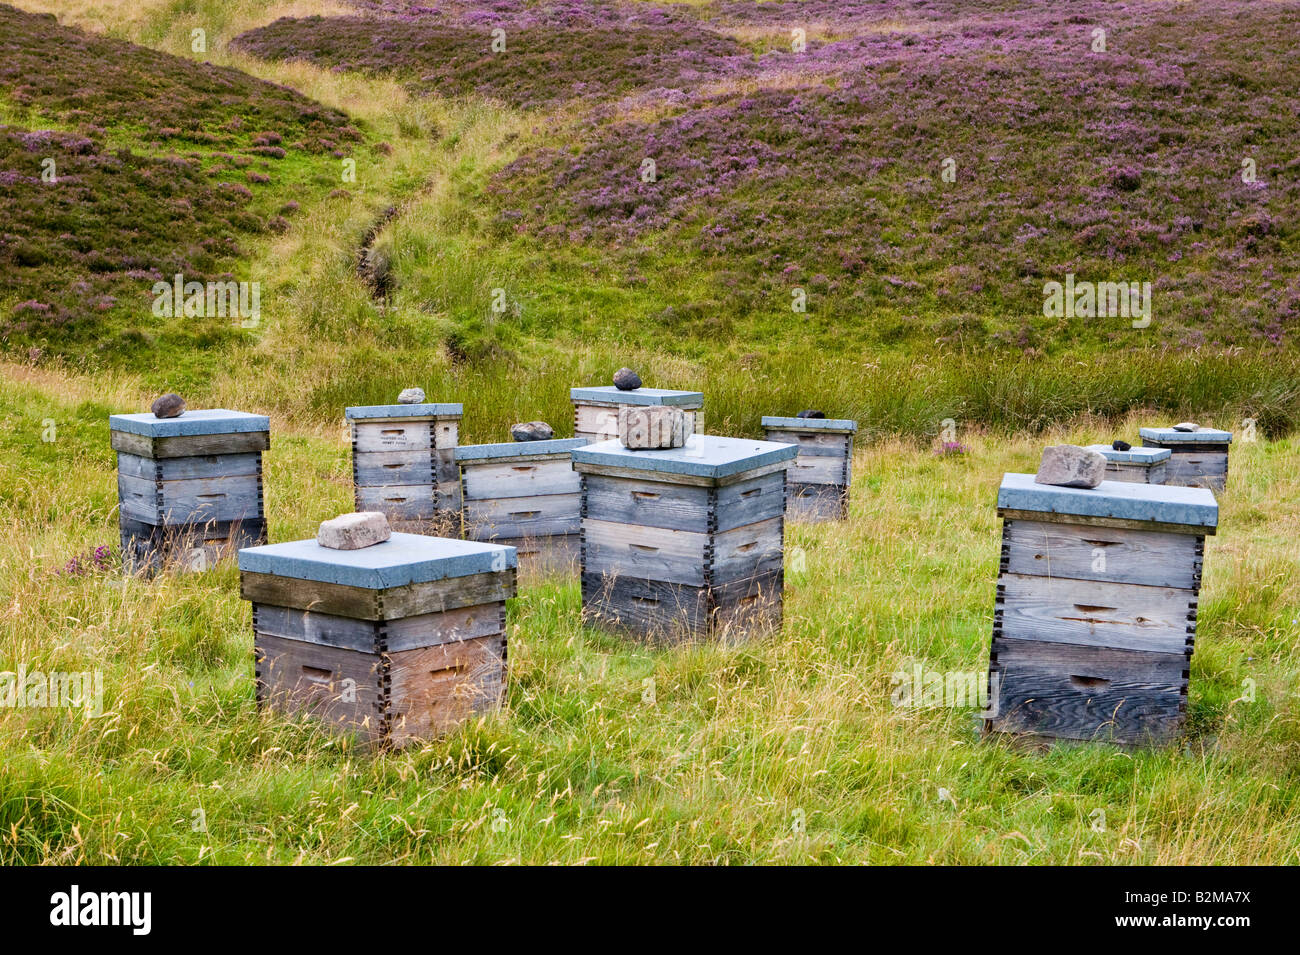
<point x="653" y="427"/>
<point x="1187" y="426"/>
<point x="354" y="531"/>
<point x="168" y="406"/>
<point x="411" y="396"/>
<point x="1068" y="465"/>
<point x="625" y="379"/>
<point x="532" y="431"/>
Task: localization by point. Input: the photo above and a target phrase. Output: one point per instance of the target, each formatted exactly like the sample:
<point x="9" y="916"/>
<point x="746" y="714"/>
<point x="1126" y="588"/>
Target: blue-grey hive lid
<point x="191" y="423"/>
<point x="1132" y="455"/>
<point x="638" y="396"/>
<point x="517" y="449"/>
<point x="402" y="559"/>
<point x="705" y="455"/>
<point x="1120" y="500"/>
<point x="1170" y="436"/>
<point x="810" y="424"/>
<point x="431" y="409"/>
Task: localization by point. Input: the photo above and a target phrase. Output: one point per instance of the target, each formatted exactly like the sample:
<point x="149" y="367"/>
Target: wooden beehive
<point x="687" y="542"/>
<point x="818" y="483"/>
<point x="1136" y="465"/>
<point x="189" y="488"/>
<point x="525" y="494"/>
<point x="1095" y="619"/>
<point x="595" y="410"/>
<point x="404" y="465"/>
<point x="396" y="641"/>
<point x="1196" y="458"/>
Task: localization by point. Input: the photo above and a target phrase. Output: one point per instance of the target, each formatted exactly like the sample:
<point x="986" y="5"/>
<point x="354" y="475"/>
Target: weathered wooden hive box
<point x="1136" y="465"/>
<point x="595" y="410"/>
<point x="1095" y="617"/>
<point x="818" y="483"/>
<point x="687" y="542"/>
<point x="1197" y="458"/>
<point x="404" y="465"/>
<point x="189" y="488"/>
<point x="525" y="494"/>
<point x="396" y="641"/>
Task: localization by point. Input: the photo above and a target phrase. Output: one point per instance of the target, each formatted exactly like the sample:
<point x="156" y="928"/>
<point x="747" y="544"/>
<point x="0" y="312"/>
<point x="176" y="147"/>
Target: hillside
<point x="154" y="165"/>
<point x="676" y="186"/>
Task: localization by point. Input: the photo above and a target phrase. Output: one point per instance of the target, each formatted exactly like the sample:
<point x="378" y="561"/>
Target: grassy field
<point x="785" y="750"/>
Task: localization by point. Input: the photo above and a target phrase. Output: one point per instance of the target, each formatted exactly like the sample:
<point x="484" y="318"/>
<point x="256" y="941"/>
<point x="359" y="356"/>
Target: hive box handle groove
<point x="1089" y="682"/>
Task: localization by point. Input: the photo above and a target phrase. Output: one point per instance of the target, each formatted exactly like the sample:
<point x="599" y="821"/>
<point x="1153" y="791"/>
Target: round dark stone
<point x="1119" y="445"/>
<point x="811" y="413"/>
<point x="168" y="406"/>
<point x="625" y="379"/>
<point x="532" y="431"/>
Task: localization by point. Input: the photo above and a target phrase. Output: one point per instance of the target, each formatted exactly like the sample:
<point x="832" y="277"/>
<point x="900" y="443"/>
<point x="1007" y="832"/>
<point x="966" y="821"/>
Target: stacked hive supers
<point x="189" y="488"/>
<point x="404" y="465"/>
<point x="1137" y="465"/>
<point x="684" y="542"/>
<point x="595" y="410"/>
<point x="820" y="478"/>
<point x="525" y="494"/>
<point x="1095" y="618"/>
<point x="397" y="640"/>
<point x="1197" y="458"/>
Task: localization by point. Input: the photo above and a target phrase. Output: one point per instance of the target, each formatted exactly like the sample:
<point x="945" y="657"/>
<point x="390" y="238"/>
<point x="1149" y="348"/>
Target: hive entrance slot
<point x="1091" y="611"/>
<point x="1089" y="682"/>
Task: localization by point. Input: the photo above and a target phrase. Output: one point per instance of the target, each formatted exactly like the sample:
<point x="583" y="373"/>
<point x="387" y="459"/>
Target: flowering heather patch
<point x="533" y="13"/>
<point x="98" y="561"/>
<point x="112" y="223"/>
<point x="792" y="13"/>
<point x="542" y="65"/>
<point x="86" y="230"/>
<point x="1124" y="165"/>
<point x="82" y="78"/>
